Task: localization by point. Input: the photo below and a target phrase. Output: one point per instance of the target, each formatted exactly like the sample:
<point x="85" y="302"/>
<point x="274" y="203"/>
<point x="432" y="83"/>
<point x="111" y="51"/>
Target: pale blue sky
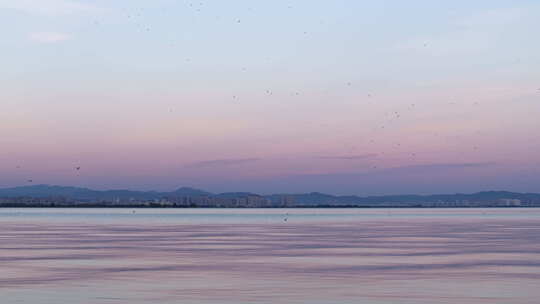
<point x="140" y="92"/>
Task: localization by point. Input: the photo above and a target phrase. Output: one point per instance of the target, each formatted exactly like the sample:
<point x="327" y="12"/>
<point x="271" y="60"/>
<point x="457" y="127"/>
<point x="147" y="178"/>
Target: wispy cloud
<point x="221" y="162"/>
<point x="47" y="7"/>
<point x="440" y="167"/>
<point x="350" y="157"/>
<point x="473" y="33"/>
<point x="405" y="170"/>
<point x="424" y="179"/>
<point x="49" y="37"/>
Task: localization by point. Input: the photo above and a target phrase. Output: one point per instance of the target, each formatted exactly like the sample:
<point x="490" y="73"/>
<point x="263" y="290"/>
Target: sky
<point x="343" y="97"/>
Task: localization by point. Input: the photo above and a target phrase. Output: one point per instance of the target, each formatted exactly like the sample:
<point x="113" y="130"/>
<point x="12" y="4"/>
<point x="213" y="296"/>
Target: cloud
<point x="423" y="179"/>
<point x="350" y="157"/>
<point x="221" y="162"/>
<point x="475" y="33"/>
<point x="399" y="172"/>
<point x="438" y="167"/>
<point x="495" y="17"/>
<point x="49" y="37"/>
<point x="47" y="7"/>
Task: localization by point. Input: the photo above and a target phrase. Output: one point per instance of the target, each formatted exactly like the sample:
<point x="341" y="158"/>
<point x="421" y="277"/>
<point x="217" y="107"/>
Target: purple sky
<point x="333" y="96"/>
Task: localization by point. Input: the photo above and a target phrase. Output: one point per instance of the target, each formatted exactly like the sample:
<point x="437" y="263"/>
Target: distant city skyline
<point x="341" y="97"/>
<point x="61" y="196"/>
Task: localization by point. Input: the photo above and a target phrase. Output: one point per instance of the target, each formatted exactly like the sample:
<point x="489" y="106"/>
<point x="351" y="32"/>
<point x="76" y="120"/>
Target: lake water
<point x="233" y="256"/>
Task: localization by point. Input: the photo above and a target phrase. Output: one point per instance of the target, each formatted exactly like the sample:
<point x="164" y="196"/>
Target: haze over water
<point x="270" y="256"/>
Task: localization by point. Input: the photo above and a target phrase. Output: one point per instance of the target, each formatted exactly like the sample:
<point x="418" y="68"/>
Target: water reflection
<point x="406" y="258"/>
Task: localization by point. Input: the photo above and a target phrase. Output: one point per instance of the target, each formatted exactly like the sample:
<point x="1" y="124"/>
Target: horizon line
<point x="278" y="193"/>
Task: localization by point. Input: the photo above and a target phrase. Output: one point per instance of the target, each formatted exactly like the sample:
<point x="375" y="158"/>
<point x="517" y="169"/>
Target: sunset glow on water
<point x="255" y="256"/>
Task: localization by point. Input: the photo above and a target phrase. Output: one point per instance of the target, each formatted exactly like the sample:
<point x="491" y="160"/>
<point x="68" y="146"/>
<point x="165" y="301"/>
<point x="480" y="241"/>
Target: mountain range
<point x="303" y="199"/>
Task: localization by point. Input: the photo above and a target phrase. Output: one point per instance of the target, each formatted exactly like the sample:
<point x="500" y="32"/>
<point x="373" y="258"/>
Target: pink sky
<point x="327" y="101"/>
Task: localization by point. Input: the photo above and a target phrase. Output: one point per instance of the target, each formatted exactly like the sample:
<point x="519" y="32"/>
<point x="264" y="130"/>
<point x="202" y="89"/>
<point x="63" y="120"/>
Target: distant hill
<point x="300" y="200"/>
<point x="96" y="195"/>
<point x="187" y="191"/>
<point x="321" y="198"/>
<point x="234" y="194"/>
<point x="86" y="194"/>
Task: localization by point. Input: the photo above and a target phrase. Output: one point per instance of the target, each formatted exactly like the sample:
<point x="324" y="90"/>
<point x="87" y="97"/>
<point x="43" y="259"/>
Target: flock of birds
<point x="394" y="115"/>
<point x="77" y="168"/>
